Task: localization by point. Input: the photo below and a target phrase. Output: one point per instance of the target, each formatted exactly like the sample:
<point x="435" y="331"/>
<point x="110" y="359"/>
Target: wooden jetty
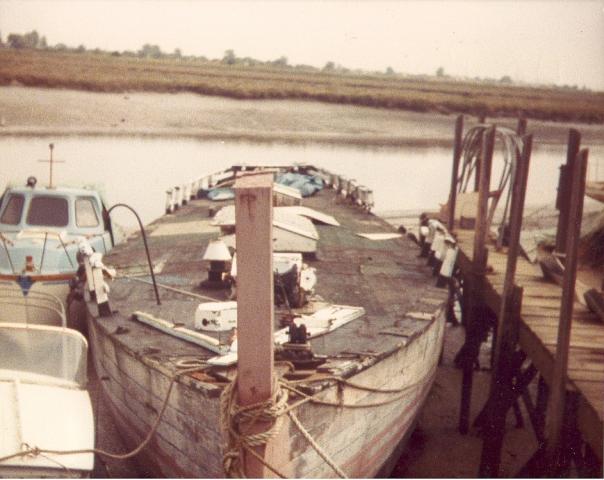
<point x="548" y="348"/>
<point x="348" y="414"/>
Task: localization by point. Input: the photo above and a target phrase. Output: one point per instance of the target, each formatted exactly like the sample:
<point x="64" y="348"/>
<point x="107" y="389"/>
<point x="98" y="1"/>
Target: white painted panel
<point x="311" y="213"/>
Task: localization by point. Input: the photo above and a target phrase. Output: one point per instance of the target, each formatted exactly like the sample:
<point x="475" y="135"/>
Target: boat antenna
<point x="51" y="161"/>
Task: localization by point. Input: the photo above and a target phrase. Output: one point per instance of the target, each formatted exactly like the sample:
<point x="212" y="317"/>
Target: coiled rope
<point x="239" y="421"/>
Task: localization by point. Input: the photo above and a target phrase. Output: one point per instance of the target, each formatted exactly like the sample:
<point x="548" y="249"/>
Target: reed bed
<point x="107" y="73"/>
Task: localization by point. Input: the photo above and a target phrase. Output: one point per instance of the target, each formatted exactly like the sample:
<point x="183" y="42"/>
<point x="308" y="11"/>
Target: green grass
<point x="107" y="73"/>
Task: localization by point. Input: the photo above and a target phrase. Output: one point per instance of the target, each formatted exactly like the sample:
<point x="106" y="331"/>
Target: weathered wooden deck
<point x="386" y="348"/>
<point x="538" y="333"/>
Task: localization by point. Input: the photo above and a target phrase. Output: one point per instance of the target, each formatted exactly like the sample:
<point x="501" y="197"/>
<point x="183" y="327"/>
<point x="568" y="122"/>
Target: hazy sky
<point x="547" y="42"/>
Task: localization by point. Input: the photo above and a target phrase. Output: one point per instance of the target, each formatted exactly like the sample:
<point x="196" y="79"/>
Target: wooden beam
<point x="516" y="214"/>
<point x="484" y="186"/>
<point x="558" y="384"/>
<point x="254" y="240"/>
<point x="473" y="281"/>
<point x="507" y="330"/>
<point x="521" y="126"/>
<point x="482" y="119"/>
<point x="564" y="185"/>
<point x="457" y="147"/>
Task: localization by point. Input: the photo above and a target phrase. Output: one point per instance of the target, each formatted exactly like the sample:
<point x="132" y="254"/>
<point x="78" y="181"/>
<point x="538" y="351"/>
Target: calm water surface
<point x="138" y="171"/>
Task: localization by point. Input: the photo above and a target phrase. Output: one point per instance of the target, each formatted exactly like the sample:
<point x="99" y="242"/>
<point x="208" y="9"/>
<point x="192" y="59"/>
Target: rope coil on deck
<point x="238" y="421"/>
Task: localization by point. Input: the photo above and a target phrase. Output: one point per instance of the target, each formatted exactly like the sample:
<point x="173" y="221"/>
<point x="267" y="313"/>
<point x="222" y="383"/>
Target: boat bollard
<point x="448" y="264"/>
<point x="85" y="250"/>
<point x="177" y="197"/>
<point x="169" y="201"/>
<point x="100" y="287"/>
<point x="429" y="239"/>
<point x="186" y="195"/>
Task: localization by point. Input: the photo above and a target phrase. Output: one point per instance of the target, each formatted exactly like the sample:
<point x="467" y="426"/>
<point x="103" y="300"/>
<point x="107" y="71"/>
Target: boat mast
<point x="51" y="161"/>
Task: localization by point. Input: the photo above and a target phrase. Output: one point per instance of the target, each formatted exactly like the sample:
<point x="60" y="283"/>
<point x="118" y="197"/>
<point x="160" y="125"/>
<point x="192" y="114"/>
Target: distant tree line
<point x="33" y="40"/>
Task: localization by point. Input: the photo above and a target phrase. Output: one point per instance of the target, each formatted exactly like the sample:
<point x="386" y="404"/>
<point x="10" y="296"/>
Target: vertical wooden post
<point x="481" y="120"/>
<point x="564" y="185"/>
<point x="558" y="384"/>
<point x="473" y="281"/>
<point x="501" y="389"/>
<point x="484" y="186"/>
<point x="456" y="157"/>
<point x="507" y="331"/>
<point x="516" y="213"/>
<point x="521" y="126"/>
<point x="254" y="240"/>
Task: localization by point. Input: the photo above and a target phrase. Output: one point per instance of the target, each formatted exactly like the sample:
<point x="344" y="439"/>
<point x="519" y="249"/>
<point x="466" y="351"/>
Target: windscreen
<point x="86" y="212"/>
<point x="48" y="211"/>
<point x="12" y="213"/>
<point x="52" y="351"/>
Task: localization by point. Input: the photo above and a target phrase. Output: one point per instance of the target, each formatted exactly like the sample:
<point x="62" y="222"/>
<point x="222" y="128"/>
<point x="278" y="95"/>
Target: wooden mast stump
<point x="254" y="240"/>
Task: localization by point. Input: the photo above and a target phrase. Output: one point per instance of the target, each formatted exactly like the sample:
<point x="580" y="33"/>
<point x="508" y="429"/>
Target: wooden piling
<point x="473" y="281"/>
<point x="521" y="126"/>
<point x="564" y="192"/>
<point x="484" y="186"/>
<point x="481" y="120"/>
<point x="502" y="376"/>
<point x="254" y="240"/>
<point x="572" y="227"/>
<point x="455" y="172"/>
<point x="502" y="397"/>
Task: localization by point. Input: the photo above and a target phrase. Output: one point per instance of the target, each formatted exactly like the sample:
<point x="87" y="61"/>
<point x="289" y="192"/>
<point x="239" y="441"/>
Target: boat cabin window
<point x="13" y="210"/>
<point x="48" y="211"/>
<point x="86" y="213"/>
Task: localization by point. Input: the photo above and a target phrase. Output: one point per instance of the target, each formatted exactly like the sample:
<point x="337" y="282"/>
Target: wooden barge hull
<point x="392" y="352"/>
<point x="189" y="442"/>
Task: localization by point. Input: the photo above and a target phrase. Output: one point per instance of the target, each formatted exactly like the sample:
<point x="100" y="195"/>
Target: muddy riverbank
<point x="28" y="111"/>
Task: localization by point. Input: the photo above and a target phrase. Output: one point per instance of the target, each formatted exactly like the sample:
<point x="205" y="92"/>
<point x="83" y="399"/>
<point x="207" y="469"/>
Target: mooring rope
<point x="315" y="445"/>
<point x="239" y="421"/>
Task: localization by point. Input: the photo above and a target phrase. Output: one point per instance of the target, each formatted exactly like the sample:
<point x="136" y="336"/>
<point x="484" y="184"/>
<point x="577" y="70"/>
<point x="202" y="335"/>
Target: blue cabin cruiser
<point x="40" y="228"/>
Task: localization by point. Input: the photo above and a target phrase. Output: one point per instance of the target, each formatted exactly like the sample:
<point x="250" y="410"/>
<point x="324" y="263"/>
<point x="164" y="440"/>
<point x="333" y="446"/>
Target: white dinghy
<point x="45" y="405"/>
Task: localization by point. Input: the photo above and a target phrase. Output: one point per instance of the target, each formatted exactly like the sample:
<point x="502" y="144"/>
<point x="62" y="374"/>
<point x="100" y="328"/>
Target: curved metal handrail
<point x="142" y="230"/>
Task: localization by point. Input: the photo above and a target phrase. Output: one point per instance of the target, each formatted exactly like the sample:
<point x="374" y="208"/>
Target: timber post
<point x="473" y="282"/>
<point x="564" y="192"/>
<point x="556" y="404"/>
<point x="457" y="147"/>
<point x="482" y="119"/>
<point x="521" y="125"/>
<point x="502" y="396"/>
<point x="254" y="240"/>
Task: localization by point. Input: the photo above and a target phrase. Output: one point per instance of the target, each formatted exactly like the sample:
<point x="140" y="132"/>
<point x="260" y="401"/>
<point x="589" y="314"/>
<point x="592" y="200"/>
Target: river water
<point x="138" y="171"/>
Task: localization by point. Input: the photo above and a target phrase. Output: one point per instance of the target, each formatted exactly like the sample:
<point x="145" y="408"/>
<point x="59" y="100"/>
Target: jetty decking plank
<point x="538" y="335"/>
